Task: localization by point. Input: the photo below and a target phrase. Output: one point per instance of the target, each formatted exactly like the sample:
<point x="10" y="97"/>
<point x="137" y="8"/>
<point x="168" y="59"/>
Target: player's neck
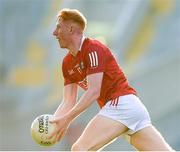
<point x="75" y="45"/>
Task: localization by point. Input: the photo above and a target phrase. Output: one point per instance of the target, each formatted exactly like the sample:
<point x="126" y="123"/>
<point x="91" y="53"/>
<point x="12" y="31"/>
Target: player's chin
<point x="62" y="46"/>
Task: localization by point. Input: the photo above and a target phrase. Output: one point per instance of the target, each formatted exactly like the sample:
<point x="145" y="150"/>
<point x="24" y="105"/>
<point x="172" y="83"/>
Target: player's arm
<point x="69" y="99"/>
<point x="93" y="92"/>
<point x="96" y="63"/>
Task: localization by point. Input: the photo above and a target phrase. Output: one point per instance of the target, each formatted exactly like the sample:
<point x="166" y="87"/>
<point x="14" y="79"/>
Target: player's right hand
<point x="62" y="125"/>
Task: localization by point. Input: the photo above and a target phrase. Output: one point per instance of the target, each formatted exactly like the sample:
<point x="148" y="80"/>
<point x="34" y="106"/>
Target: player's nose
<point x="55" y="32"/>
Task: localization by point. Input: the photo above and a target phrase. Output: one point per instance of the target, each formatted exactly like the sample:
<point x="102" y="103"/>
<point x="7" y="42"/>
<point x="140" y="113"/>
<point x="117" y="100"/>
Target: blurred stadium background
<point x="143" y="34"/>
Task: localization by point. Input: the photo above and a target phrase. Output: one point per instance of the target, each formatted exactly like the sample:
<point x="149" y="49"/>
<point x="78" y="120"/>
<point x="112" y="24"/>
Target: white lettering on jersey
<point x="77" y="67"/>
<point x="83" y="84"/>
<point x="71" y="72"/>
<point x="93" y="59"/>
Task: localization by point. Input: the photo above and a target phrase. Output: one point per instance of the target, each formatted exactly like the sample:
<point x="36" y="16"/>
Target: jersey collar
<point x="82" y="40"/>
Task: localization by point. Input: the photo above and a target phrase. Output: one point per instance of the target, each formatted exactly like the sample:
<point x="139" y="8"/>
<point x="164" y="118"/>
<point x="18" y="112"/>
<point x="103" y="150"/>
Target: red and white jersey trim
<point x="93" y="59"/>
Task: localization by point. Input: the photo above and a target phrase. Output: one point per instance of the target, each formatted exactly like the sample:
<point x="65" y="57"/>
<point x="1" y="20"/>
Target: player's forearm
<point x="85" y="101"/>
<point x="63" y="108"/>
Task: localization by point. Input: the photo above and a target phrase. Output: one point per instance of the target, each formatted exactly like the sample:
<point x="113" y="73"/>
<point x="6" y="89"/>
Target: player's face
<point x="62" y="33"/>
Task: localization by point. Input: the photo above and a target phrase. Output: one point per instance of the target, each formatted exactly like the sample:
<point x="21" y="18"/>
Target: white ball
<point x="41" y="128"/>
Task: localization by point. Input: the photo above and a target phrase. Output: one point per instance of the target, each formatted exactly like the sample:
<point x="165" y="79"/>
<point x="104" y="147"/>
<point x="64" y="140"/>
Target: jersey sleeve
<point x="95" y="59"/>
<point x="67" y="79"/>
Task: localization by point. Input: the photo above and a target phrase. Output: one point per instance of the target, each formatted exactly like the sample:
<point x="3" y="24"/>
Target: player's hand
<point x="62" y="125"/>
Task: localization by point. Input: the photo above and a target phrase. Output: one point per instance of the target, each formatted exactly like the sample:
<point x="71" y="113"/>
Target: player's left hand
<point x="62" y="125"/>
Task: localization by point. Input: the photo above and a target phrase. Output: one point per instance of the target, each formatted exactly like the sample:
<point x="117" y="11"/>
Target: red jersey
<point x="95" y="57"/>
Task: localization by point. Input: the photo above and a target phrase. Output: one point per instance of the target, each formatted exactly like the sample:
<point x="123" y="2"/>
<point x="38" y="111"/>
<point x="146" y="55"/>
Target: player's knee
<point x="78" y="147"/>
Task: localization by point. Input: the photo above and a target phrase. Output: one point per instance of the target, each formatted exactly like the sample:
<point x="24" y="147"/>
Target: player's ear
<point x="71" y="29"/>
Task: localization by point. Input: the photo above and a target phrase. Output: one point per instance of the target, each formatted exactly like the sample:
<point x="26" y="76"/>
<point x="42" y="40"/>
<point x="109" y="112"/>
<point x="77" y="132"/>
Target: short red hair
<point x="73" y="15"/>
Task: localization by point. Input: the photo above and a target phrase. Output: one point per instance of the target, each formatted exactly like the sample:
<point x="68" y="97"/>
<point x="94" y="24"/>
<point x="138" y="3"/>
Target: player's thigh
<point x="149" y="139"/>
<point x="100" y="131"/>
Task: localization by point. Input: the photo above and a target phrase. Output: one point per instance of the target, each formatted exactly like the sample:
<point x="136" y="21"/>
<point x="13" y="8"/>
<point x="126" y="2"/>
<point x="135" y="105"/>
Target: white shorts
<point x="128" y="110"/>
